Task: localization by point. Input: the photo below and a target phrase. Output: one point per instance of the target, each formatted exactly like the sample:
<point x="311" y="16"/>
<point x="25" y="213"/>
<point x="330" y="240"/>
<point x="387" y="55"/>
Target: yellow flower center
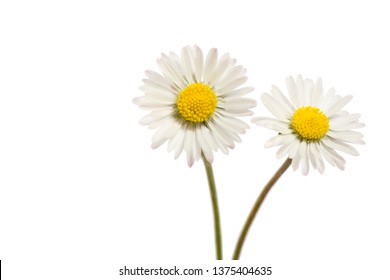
<point x="309" y="123"/>
<point x="196" y="103"/>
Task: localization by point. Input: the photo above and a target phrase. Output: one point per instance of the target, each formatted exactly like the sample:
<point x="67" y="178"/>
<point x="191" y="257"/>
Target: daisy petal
<point x="295" y="162"/>
<point x="274" y="141"/>
<point x="211" y="62"/>
<point x="238" y="105"/>
<point x="328" y="100"/>
<point x="282" y="100"/>
<point x="273" y="106"/>
<point x="308" y="88"/>
<point x="317" y="95"/>
<point x="231" y="86"/>
<point x="186" y="59"/>
<point x="292" y="91"/>
<point x="204" y="145"/>
<point x="189" y="142"/>
<point x="304" y="158"/>
<point x="238" y="92"/>
<point x="347" y="136"/>
<point x="282" y="127"/>
<point x="338" y="145"/>
<point x="198" y="64"/>
<point x="338" y="160"/>
<point x="338" y="105"/>
<point x="223" y="65"/>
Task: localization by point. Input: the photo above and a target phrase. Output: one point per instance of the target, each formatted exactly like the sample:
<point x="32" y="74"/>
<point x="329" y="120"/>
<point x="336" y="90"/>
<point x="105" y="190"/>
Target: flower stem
<point x="257" y="205"/>
<point x="214" y="202"/>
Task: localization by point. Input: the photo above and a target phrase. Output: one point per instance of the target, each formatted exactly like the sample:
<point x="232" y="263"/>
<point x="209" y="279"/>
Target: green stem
<point x="256" y="207"/>
<point x="214" y="202"/>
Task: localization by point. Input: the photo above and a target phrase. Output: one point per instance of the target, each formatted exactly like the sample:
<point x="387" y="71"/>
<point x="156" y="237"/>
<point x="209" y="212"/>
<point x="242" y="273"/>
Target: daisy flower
<point x="311" y="125"/>
<point x="195" y="103"/>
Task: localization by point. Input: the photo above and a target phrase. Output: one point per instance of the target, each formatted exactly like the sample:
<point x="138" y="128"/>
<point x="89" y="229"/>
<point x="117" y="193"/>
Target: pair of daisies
<point x="196" y="101"/>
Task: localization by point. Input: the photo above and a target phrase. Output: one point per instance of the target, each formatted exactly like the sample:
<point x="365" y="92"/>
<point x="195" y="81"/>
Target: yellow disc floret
<point x="309" y="123"/>
<point x="196" y="103"/>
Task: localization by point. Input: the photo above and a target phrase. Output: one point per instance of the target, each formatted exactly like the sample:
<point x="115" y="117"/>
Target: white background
<point x="82" y="193"/>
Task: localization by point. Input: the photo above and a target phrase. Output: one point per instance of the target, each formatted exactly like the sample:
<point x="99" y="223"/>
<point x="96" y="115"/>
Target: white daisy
<point x="311" y="126"/>
<point x="195" y="103"/>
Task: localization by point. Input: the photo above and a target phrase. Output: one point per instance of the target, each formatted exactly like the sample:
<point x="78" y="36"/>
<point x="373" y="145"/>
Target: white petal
<point x="140" y="100"/>
<point x="209" y="138"/>
<point x="292" y="153"/>
<point x="320" y="165"/>
<point x="161" y="113"/>
<point x="158" y="143"/>
<point x="211" y="62"/>
<point x="317" y="157"/>
<point x="186" y="59"/>
<point x="167" y="93"/>
<point x="236" y="112"/>
<point x="347" y="136"/>
<point x="158" y="122"/>
<point x="300" y="91"/>
<point x="147" y="104"/>
<point x="231" y="86"/>
<point x="308" y="89"/>
<point x="282" y="100"/>
<point x="157" y="78"/>
<point x="220" y="138"/>
<point x="279" y="126"/>
<point x="189" y="146"/>
<point x="290" y="145"/>
<point x="341" y="121"/>
<point x="233" y="74"/>
<point x="220" y="68"/>
<point x="295" y="162"/>
<point x="312" y="155"/>
<point x="176" y="64"/>
<point x="272" y="105"/>
<point x="238" y="92"/>
<point x="304" y="158"/>
<point x="323" y="151"/>
<point x="162" y="131"/>
<point x="230" y="132"/>
<point x="162" y="97"/>
<point x="169" y="70"/>
<point x="317" y="95"/>
<point x="354" y="125"/>
<point x="239" y="104"/>
<point x="292" y="91"/>
<point x="235" y="125"/>
<point x="282" y="151"/>
<point x="338" y="145"/>
<point x="332" y="156"/>
<point x="204" y="145"/>
<point x="172" y="130"/>
<point x="336" y="107"/>
<point x="329" y="99"/>
<point x="146" y="120"/>
<point x="198" y="63"/>
<point x="155" y="116"/>
<point x="197" y="150"/>
<point x="177" y="142"/>
<point x="274" y="141"/>
<point x="150" y="85"/>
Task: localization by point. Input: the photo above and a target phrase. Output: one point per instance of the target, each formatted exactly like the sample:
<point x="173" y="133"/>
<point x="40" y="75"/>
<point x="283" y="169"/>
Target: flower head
<point x="195" y="103"/>
<point x="311" y="125"/>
